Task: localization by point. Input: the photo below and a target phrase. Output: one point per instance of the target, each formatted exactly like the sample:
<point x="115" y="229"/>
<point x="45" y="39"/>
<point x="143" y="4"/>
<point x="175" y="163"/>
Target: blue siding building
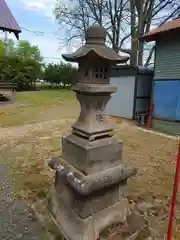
<point x="166" y="82"/>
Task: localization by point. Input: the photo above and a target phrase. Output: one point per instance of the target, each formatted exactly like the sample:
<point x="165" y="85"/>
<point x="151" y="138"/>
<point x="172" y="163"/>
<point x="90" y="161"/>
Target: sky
<point x="37" y="16"/>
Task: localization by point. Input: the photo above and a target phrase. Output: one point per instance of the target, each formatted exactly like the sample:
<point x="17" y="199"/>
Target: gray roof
<point x="7" y="20"/>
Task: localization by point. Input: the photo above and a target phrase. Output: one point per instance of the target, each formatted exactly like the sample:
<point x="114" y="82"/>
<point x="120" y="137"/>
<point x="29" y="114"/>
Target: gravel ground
<point x="14" y="132"/>
<point x="17" y="220"/>
<point x="153" y="154"/>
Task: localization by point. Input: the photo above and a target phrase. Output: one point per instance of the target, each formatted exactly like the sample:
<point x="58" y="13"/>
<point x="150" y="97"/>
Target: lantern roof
<point x="95" y="42"/>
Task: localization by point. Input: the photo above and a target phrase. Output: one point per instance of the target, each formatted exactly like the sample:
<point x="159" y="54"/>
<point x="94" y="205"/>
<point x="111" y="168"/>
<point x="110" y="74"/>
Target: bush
<point x="21" y="73"/>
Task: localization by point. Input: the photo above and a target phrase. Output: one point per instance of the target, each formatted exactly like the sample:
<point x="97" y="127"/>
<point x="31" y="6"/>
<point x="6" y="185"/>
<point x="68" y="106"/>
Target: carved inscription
<point x="99" y="109"/>
<point x="99" y="117"/>
<point x="99" y="106"/>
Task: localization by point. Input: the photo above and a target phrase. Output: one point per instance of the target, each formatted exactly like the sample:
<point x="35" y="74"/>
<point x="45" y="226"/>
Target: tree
<point x="83" y="13"/>
<point x="10" y="48"/>
<point x="124" y="21"/>
<point x="22" y="66"/>
<point x="27" y="51"/>
<point x="66" y="73"/>
<point x="2" y="50"/>
<point x="59" y="74"/>
<point x="148" y="13"/>
<point x="23" y="49"/>
<point x="20" y="73"/>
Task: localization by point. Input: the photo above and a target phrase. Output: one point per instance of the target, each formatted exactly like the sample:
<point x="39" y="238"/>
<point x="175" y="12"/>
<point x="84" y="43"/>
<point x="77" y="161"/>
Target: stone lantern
<point x="88" y="194"/>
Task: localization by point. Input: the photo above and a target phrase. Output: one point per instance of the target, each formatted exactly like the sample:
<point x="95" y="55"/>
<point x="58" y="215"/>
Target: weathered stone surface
<point x="94" y="88"/>
<point x="87" y="184"/>
<point x="92" y="123"/>
<point x="73" y="227"/>
<point x="84" y="206"/>
<point x="88" y="195"/>
<point x="135" y="228"/>
<point x="91" y="156"/>
<point x="94" y="201"/>
<point x="136" y="225"/>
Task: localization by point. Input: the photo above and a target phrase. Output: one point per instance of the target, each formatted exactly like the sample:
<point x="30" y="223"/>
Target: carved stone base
<point x="73" y="227"/>
<point x="91" y="156"/>
<point x="85" y="206"/>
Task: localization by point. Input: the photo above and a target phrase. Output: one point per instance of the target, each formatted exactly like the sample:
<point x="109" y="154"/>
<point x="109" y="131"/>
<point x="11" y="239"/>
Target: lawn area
<point x="38" y="106"/>
<point x="30" y="133"/>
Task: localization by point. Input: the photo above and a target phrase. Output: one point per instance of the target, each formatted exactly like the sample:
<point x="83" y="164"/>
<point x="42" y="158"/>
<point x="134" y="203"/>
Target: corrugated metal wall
<point x="178" y="105"/>
<point x="167" y="85"/>
<point x="167" y="99"/>
<point x="167" y="65"/>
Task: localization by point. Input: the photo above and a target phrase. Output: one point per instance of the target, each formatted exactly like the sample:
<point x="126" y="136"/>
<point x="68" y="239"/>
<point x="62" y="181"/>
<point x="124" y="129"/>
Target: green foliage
<point x="10" y="45"/>
<point x="59" y="74"/>
<point x="22" y="66"/>
<point x="2" y="49"/>
<point x="21" y="73"/>
<point x="26" y="51"/>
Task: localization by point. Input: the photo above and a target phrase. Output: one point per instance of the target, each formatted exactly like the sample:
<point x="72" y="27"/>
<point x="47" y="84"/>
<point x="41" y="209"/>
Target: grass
<point x="31" y="129"/>
<point x="37" y="106"/>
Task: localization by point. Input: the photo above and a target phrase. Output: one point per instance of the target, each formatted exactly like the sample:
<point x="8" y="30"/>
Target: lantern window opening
<point x="101" y="73"/>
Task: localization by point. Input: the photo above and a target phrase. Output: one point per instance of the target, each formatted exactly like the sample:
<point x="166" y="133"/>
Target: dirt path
<point x="17" y="219"/>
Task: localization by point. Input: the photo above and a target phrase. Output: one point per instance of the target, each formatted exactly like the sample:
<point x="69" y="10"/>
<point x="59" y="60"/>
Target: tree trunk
<point x="141" y="26"/>
<point x="134" y="41"/>
<point x="140" y="53"/>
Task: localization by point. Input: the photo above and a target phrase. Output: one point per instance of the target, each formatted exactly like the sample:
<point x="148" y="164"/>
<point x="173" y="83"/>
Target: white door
<point x="122" y="102"/>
